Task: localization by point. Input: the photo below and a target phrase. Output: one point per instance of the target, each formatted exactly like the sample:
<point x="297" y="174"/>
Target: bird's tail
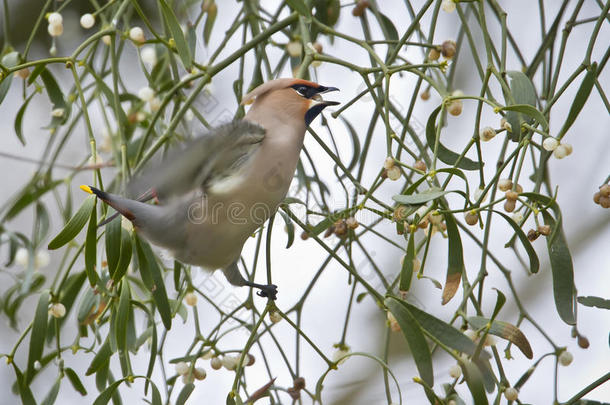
<point x="128" y="208"/>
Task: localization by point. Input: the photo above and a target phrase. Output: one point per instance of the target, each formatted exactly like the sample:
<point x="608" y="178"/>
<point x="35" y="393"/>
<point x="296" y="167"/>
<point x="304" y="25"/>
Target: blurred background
<point x="359" y="380"/>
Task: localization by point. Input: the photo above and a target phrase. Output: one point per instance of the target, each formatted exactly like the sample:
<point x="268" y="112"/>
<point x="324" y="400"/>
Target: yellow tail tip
<point x="86" y="189"/>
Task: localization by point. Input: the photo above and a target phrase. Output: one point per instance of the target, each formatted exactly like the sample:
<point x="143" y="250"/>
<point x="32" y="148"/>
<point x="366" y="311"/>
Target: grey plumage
<point x="205" y="160"/>
<point x="217" y="190"/>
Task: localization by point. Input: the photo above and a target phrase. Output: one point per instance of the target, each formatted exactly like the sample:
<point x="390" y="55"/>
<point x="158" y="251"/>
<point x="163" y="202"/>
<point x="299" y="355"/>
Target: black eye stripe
<point x="305" y="91"/>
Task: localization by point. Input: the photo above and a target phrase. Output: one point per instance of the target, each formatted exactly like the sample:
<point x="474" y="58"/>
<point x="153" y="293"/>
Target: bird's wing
<point x="200" y="162"/>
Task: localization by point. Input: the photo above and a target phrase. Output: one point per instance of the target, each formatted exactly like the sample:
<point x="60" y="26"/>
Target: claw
<point x="269" y="291"/>
<point x="266" y="290"/>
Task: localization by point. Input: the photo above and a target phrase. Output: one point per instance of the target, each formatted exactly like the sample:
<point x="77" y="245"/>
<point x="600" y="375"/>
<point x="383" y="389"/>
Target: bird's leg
<point x="266" y="290"/>
<point x="234" y="277"/>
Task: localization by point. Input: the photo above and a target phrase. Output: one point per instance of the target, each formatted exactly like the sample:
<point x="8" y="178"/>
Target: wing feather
<point x="200" y="162"/>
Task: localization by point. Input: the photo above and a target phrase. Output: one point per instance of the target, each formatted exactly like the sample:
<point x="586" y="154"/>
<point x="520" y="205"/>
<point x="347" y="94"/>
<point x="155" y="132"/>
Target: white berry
<point x="55" y="18"/>
<point x="136" y="34"/>
<point x="87" y="21"/>
<point x="448" y="6"/>
<point x="487" y="134"/>
<point x="505" y="184"/>
<point x="191" y="299"/>
<point x="182" y="368"/>
<point x="275" y="317"/>
<point x="388" y="163"/>
<point x="565" y="358"/>
<point x="57" y="310"/>
<point x="146" y="94"/>
<point x="560" y="152"/>
<point x="149" y="55"/>
<point x="294" y="48"/>
<point x="394" y="173"/>
<point x="55" y="30"/>
<point x="41" y="259"/>
<point x="549" y="144"/>
<point x="215" y="363"/>
<point x="199" y="373"/>
<point x="511" y="394"/>
<point x="455" y="371"/>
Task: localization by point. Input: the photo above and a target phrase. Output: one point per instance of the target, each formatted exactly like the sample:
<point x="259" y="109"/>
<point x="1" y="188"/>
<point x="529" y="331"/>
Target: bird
<point x="216" y="190"/>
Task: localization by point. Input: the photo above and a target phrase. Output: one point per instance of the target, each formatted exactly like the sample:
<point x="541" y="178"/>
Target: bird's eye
<point x="302" y="90"/>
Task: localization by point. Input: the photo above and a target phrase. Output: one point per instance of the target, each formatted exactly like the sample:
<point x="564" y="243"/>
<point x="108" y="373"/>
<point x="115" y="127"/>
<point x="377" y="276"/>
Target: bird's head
<point x="294" y="98"/>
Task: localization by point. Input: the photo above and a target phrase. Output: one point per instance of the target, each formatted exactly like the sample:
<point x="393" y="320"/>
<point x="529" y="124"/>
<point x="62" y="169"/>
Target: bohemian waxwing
<point x="214" y="192"/>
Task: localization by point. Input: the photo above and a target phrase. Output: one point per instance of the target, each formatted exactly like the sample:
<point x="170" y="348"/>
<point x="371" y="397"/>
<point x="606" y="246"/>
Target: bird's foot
<point x="269" y="290"/>
<point x="266" y="290"/>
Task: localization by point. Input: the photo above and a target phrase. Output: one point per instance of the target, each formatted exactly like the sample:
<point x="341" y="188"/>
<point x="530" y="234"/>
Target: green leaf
<point x="531" y="253"/>
<point x="564" y="290"/>
<point x="328" y="11"/>
<point x="209" y="23"/>
<point x="445" y="155"/>
<point x="322" y="226"/>
<point x="592" y="301"/>
<point x="51" y="396"/>
<point x="500" y="301"/>
<point x="474" y="379"/>
<point x="27" y="398"/>
<point x="153" y="352"/>
<point x="185" y="393"/>
<point x="101" y="376"/>
<point x="153" y="280"/>
<point x="156" y="395"/>
<point x="75" y="381"/>
<point x="455" y="172"/>
<point x="38" y="334"/>
<point x="300" y="7"/>
<point x="504" y="330"/>
<point x="74" y="226"/>
<point x="176" y="32"/>
<point x="36" y="72"/>
<point x="530" y="111"/>
<point x="415" y="338"/>
<point x="19" y="119"/>
<point x="41" y="223"/>
<point x="9" y="60"/>
<point x="455" y="266"/>
<point x="122" y="317"/>
<point x="101" y="358"/>
<point x="191" y="38"/>
<point x="522" y="91"/>
<point x="388" y="28"/>
<point x="113" y="244"/>
<point x="88" y="303"/>
<point x="30" y="194"/>
<point x="178" y="269"/>
<point x="56" y="96"/>
<point x="91" y="247"/>
<point x="420" y="198"/>
<point x="289" y="228"/>
<point x="406" y="272"/>
<point x="105" y="396"/>
<point x="443" y="332"/>
<point x="5" y="85"/>
<point x="124" y="258"/>
<point x="522" y="88"/>
<point x="580" y="99"/>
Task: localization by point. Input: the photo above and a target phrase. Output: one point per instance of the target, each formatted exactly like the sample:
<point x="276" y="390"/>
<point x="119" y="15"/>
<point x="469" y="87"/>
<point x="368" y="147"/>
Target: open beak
<point x="318" y="100"/>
